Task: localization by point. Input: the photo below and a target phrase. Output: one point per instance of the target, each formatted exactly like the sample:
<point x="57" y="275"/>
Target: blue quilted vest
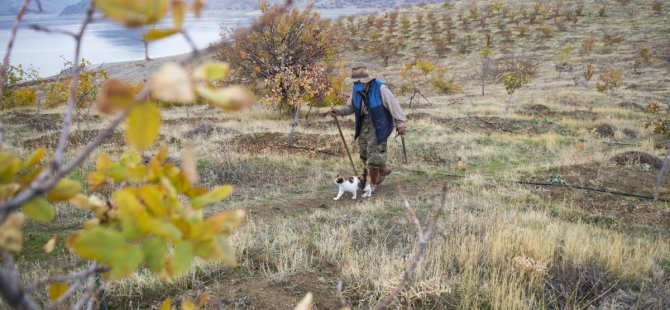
<point x="382" y="120"/>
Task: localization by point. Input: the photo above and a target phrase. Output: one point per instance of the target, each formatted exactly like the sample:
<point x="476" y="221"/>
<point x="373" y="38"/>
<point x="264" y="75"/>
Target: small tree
<point x="587" y="46"/>
<point x="284" y="44"/>
<point x="657" y="6"/>
<point x="563" y="56"/>
<point x="487" y="71"/>
<point x="15" y="76"/>
<point x="588" y="73"/>
<point x="610" y="81"/>
<point x="384" y="49"/>
<point x="444" y="84"/>
<point x="515" y="74"/>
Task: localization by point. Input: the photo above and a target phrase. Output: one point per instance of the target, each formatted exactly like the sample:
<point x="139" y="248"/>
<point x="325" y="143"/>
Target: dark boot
<point x="374" y="178"/>
<point x="383" y="172"/>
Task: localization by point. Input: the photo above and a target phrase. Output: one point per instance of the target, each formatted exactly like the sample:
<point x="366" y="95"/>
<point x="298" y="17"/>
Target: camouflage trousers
<point x="372" y="153"/>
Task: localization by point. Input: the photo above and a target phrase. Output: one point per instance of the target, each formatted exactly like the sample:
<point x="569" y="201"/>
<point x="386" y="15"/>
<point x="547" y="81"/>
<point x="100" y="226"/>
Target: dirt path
<point x="296" y="205"/>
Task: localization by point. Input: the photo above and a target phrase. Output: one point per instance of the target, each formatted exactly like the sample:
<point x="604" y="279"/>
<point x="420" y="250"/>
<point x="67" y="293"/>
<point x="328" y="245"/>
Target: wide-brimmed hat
<point x="359" y="74"/>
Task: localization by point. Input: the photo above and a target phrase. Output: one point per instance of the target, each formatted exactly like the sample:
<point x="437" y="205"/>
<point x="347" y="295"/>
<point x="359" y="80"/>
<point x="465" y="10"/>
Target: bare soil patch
<point x="539" y="110"/>
<point x="33" y="121"/>
<point x="77" y="139"/>
<point x="496" y="124"/>
<point x="628" y="179"/>
<point x="632" y="106"/>
<point x="194" y="120"/>
<point x="207" y="130"/>
<point x="604" y="131"/>
<point x="275" y="142"/>
<point x="328" y="124"/>
<point x="637" y="158"/>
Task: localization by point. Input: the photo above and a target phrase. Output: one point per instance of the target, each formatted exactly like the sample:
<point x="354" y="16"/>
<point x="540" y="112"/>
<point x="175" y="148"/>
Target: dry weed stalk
<point x="423" y="236"/>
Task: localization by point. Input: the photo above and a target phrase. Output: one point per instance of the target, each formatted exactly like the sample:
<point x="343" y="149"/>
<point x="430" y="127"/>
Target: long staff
<point x="346" y="147"/>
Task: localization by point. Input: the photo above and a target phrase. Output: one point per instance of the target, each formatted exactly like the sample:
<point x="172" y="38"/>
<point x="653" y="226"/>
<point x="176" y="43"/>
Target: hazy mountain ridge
<point x="11" y="7"/>
<point x="80" y="7"/>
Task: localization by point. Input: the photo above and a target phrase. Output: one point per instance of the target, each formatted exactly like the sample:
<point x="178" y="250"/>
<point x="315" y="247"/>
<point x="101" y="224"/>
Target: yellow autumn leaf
<point x="114" y="96"/>
<point x="179" y="9"/>
<point x="215" y="195"/>
<point x="157" y="34"/>
<point x="97" y="243"/>
<point x="188" y="166"/>
<point x="305" y="303"/>
<point x="9" y="166"/>
<point x="34" y="158"/>
<point x="225" y="222"/>
<point x="211" y="71"/>
<point x="182" y="258"/>
<point x="167" y="305"/>
<point x="231" y="98"/>
<point x="50" y="245"/>
<point x="198" y="5"/>
<point x="187" y="305"/>
<point x="57" y="290"/>
<point x="143" y="125"/>
<point x="202" y="300"/>
<point x="64" y="190"/>
<point x="133" y="13"/>
<point x="172" y="83"/>
<point x="39" y="210"/>
<point x="11" y="237"/>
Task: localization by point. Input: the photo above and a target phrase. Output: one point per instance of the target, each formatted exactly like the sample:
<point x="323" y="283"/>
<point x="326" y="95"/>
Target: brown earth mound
<point x="612" y="208"/>
<point x="497" y="124"/>
<point x="637" y="158"/>
<point x="327" y="124"/>
<point x="34" y="122"/>
<point x="632" y="106"/>
<point x="604" y="131"/>
<point x="206" y="131"/>
<point x="275" y="142"/>
<point x="539" y="110"/>
<point x="195" y="120"/>
<point x="79" y="138"/>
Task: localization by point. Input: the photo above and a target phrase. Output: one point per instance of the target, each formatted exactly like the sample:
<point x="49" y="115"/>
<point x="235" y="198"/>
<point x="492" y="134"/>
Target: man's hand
<point x="401" y="131"/>
<point x="332" y="112"/>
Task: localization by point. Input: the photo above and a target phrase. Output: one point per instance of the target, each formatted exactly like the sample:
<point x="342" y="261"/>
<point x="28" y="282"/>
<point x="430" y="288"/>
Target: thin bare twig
<point x="74" y="85"/>
<point x="340" y="294"/>
<point x="12" y="288"/>
<point x="53" y="30"/>
<point x="8" y="53"/>
<point x="424" y="236"/>
<point x="187" y="37"/>
<point x="91" y="271"/>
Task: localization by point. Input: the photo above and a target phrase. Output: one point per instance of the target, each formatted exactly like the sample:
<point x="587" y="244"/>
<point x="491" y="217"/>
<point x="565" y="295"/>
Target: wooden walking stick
<point x="346" y="147"/>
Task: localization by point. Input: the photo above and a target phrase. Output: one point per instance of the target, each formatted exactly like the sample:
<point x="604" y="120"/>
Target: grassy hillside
<point x="509" y="239"/>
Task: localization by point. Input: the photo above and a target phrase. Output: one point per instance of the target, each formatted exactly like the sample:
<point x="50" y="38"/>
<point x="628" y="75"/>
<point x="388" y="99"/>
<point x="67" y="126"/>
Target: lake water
<point x="107" y="42"/>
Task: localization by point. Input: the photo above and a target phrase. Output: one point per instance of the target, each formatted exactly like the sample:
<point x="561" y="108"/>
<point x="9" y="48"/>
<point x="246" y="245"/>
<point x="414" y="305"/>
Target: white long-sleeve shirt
<point x="389" y="102"/>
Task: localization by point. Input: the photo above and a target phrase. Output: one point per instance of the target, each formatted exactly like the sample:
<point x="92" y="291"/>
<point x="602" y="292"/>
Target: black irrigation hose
<point x="550" y="184"/>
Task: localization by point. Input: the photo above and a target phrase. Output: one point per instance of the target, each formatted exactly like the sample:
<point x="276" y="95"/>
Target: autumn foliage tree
<point x="283" y="44"/>
<point x="515" y="74"/>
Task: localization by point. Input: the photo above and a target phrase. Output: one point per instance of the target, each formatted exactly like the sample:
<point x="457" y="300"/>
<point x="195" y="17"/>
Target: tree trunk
<point x="509" y="102"/>
<point x="294" y="125"/>
<point x="483" y="84"/>
<point x="660" y="173"/>
<point x="308" y="112"/>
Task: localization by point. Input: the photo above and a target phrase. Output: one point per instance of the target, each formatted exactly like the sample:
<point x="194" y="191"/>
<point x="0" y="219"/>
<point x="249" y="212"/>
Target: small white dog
<point x="351" y="185"/>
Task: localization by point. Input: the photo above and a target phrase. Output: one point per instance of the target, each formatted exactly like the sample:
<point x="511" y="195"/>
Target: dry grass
<point x="501" y="245"/>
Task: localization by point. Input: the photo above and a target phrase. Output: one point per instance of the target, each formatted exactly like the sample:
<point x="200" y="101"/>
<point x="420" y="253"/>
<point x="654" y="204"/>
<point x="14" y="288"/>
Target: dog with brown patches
<point x="351" y="185"/>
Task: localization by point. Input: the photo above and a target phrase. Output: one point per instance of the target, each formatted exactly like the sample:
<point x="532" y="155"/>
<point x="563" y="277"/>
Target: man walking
<point x="377" y="113"/>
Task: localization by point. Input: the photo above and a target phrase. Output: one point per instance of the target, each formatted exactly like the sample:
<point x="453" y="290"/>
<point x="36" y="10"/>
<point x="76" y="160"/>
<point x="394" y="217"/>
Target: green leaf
<point x="57" y="290"/>
<point x="39" y="210"/>
<point x="98" y="243"/>
<point x="134" y="13"/>
<point x="64" y="190"/>
<point x="182" y="258"/>
<point x="34" y="158"/>
<point x="157" y="34"/>
<point x="9" y="166"/>
<point x="126" y="261"/>
<point x="155" y="250"/>
<point x="211" y="71"/>
<point x="143" y="125"/>
<point x="215" y="195"/>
